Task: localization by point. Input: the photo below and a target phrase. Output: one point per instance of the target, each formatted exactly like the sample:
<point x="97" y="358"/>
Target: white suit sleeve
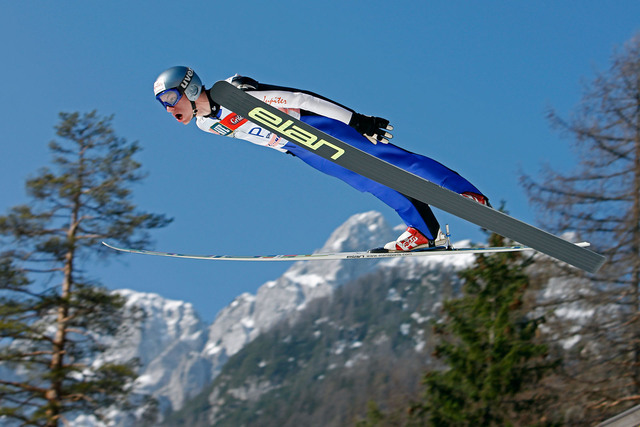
<point x="303" y="101"/>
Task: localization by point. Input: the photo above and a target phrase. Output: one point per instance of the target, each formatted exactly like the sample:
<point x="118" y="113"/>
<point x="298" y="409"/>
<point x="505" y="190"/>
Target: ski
<point x="437" y="251"/>
<point x="351" y="158"/>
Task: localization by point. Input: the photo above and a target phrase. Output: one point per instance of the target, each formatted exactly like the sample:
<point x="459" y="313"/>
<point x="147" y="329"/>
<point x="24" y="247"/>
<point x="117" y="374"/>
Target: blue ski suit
<point x="333" y="118"/>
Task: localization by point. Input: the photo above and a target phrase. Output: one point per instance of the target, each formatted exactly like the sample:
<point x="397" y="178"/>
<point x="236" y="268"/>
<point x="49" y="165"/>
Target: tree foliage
<point x="489" y="348"/>
<point x="600" y="200"/>
<point x="52" y="316"/>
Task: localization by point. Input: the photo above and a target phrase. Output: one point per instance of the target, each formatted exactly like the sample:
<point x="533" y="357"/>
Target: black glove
<point x="244" y="83"/>
<point x="374" y="128"/>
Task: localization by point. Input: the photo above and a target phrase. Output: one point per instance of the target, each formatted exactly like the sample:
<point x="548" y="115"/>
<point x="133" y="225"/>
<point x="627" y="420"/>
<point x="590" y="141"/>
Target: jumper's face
<point x="182" y="111"/>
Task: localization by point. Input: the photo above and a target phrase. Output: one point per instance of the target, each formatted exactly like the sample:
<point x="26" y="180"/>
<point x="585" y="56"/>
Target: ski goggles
<point x="169" y="97"/>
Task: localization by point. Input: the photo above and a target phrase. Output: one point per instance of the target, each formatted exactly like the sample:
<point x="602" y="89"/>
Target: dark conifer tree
<point x="51" y="312"/>
<point x="489" y="349"/>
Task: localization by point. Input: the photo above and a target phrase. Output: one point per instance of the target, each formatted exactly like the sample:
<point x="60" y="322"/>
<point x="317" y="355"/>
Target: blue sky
<point x="467" y="83"/>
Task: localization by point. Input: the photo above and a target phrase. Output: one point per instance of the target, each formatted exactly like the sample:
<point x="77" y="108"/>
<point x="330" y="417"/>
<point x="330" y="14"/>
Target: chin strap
<point x="193" y="107"/>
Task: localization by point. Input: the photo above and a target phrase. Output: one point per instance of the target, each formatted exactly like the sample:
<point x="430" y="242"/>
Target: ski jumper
<point x="333" y="118"/>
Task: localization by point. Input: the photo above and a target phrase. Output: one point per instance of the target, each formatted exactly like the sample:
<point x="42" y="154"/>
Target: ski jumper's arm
<point x="309" y="103"/>
<point x="290" y="98"/>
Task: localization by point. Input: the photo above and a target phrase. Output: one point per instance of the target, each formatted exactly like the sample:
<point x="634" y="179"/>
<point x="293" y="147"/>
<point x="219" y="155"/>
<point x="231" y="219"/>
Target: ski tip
<point x="110" y="246"/>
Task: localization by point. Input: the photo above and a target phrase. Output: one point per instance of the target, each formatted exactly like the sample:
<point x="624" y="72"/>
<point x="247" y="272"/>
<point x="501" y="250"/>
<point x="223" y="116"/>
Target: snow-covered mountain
<point x="249" y="315"/>
<point x="180" y="354"/>
<point x="169" y="345"/>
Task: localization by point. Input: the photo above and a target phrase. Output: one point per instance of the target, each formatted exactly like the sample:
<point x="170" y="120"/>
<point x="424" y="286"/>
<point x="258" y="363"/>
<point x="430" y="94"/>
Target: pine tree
<point x="600" y="200"/>
<point x="51" y="314"/>
<point x="489" y="348"/>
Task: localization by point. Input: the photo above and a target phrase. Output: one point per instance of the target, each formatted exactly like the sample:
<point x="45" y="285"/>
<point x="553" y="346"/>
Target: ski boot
<point x="412" y="240"/>
<point x="483" y="200"/>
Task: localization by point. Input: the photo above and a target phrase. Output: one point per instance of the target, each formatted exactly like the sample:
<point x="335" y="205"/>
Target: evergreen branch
<point x="23" y="386"/>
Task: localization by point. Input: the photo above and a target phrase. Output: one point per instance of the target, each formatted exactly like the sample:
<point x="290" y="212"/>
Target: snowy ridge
<point x="236" y="325"/>
<point x="168" y="344"/>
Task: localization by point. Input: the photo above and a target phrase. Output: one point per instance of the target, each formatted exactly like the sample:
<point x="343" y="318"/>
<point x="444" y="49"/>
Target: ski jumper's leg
<point x="413" y="212"/>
